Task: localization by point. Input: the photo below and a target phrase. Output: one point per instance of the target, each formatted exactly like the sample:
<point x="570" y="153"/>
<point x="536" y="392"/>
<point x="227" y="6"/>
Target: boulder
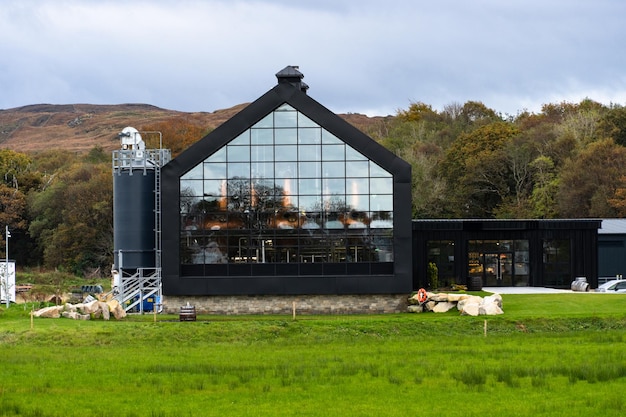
<point x="70" y="315"/>
<point x="494" y="298"/>
<point x="490" y="309"/>
<point x="439" y="297"/>
<point x="415" y="308"/>
<point x="455" y="298"/>
<point x="53" y="312"/>
<point x="104" y="308"/>
<point x="470" y="299"/>
<point x="470" y="309"/>
<point x="116" y="309"/>
<point x="443" y="307"/>
<point x="91" y="307"/>
<point x="430" y="305"/>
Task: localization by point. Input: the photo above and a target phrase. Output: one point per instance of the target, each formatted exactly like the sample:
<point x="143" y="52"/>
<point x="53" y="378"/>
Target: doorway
<point x="498" y="268"/>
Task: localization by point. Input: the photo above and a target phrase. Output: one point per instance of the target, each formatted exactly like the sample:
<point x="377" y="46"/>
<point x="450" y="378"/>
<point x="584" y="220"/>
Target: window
<point x="286" y="191"/>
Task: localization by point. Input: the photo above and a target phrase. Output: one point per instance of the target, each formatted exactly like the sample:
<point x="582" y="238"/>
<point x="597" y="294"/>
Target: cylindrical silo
<point x="133" y="218"/>
<point x="134" y="242"/>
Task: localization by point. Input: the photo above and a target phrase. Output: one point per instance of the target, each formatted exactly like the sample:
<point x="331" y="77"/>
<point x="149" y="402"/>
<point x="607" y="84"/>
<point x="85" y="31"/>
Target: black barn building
<point x="286" y="198"/>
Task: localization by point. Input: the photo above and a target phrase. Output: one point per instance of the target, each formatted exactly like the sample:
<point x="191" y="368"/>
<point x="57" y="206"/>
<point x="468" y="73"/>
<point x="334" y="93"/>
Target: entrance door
<point x="498" y="269"/>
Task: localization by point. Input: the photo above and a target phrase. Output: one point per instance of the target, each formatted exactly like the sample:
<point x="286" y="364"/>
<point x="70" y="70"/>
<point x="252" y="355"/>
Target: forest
<point x="468" y="161"/>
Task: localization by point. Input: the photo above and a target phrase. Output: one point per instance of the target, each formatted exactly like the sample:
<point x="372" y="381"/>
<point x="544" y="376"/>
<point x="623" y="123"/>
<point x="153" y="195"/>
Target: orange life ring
<point x="422" y="296"/>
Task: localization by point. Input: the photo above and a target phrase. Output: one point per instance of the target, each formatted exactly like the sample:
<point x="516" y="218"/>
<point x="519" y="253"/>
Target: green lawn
<point x="548" y="355"/>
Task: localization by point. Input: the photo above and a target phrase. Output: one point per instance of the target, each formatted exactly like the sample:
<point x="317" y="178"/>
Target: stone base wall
<point x="285" y="304"/>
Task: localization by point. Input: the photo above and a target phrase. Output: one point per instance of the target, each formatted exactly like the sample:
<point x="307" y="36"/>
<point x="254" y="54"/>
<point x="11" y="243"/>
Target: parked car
<point x="615" y="286"/>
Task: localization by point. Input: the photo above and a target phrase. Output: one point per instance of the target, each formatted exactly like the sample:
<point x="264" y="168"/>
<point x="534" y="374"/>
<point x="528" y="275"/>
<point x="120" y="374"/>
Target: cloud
<point x="366" y="56"/>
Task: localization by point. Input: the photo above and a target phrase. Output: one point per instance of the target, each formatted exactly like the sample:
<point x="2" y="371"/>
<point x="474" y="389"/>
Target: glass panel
<point x="309" y="169"/>
<point x="218" y="156"/>
<point x="243" y="139"/>
<point x="353" y="155"/>
<point x="310" y="202"/>
<point x="310" y="186"/>
<point x="357" y="185"/>
<point x="310" y="136"/>
<point x="377" y="171"/>
<point x="358" y="202"/>
<point x="335" y="169"/>
<point x="262" y="169"/>
<point x="238" y="170"/>
<point x="330" y="139"/>
<point x="285" y="119"/>
<point x="262" y="137"/>
<point x="214" y="170"/>
<point x="286" y="136"/>
<point x="287" y="187"/>
<point x="304" y="121"/>
<point x="286" y="152"/>
<point x="267" y="121"/>
<point x="281" y="195"/>
<point x="193" y="174"/>
<point x="381" y="185"/>
<point x="285" y="170"/>
<point x="334" y="152"/>
<point x="380" y="202"/>
<point x="358" y="169"/>
<point x="310" y="153"/>
<point x="238" y="153"/>
<point x="214" y="188"/>
<point x="191" y="187"/>
<point x="285" y="107"/>
<point x="262" y="153"/>
<point x="334" y="185"/>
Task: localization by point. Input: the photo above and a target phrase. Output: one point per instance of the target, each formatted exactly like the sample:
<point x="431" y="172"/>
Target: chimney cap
<point x="291" y="75"/>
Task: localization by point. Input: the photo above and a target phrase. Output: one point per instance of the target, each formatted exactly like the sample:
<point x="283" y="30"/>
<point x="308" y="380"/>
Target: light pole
<point x="7" y="235"/>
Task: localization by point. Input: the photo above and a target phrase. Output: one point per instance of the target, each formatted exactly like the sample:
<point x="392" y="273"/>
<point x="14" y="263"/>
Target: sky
<point x="358" y="56"/>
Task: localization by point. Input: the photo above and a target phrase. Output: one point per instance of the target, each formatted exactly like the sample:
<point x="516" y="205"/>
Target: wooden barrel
<point x="187" y="313"/>
<point x="474" y="283"/>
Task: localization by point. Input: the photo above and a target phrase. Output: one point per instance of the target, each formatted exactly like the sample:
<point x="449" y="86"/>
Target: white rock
<point x="455" y="298"/>
<point x="415" y="309"/>
<point x="470" y="309"/>
<point x="470" y="299"/>
<point x="430" y="305"/>
<point x="443" y="307"/>
<point x="490" y="309"/>
<point x="53" y="312"/>
<point x="439" y="297"/>
<point x="494" y="298"/>
<point x="105" y="310"/>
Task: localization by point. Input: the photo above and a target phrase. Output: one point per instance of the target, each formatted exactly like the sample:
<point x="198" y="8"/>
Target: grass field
<point x="548" y="355"/>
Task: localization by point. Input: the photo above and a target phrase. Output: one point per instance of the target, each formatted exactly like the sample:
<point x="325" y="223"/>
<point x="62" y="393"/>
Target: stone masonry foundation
<point x="285" y="304"/>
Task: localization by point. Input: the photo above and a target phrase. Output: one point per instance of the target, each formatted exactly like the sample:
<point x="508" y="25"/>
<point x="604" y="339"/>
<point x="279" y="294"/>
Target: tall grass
<point x="392" y="365"/>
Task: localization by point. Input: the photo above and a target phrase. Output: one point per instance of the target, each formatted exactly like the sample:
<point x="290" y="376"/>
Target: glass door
<point x="498" y="269"/>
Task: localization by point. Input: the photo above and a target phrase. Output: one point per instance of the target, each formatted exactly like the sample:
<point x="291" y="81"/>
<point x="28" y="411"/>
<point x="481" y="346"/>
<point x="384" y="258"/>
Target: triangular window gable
<point x="286" y="190"/>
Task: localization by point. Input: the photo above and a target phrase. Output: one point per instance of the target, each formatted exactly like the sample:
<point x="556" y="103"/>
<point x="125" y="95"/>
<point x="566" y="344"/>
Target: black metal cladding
<point x="581" y="236"/>
<point x="287" y="278"/>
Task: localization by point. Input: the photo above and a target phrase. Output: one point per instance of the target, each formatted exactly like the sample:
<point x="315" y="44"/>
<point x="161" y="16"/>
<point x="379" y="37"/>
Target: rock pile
<point x="468" y="305"/>
<point x="84" y="311"/>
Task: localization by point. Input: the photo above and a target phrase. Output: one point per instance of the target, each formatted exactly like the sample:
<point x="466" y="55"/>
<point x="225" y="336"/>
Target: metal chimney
<point x="291" y="75"/>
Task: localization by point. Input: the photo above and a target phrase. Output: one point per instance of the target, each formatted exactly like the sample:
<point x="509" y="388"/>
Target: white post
<point x="7" y="235"/>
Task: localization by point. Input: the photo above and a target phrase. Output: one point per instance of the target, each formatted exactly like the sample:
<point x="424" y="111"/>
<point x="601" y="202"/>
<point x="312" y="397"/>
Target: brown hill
<point x="81" y="127"/>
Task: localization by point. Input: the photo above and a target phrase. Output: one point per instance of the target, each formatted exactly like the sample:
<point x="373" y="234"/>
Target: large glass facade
<point x="286" y="191"/>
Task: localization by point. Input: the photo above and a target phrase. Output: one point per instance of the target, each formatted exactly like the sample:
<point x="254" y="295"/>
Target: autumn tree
<point x="591" y="180"/>
<point x="178" y="133"/>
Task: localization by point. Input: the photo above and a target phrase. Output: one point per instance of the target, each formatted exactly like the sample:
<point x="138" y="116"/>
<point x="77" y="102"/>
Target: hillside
<point x="80" y="127"/>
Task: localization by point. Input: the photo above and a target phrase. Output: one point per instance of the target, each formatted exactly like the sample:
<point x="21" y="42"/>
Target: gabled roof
<point x="291" y="90"/>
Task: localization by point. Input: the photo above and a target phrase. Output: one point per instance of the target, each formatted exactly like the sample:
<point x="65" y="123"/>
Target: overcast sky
<point x="361" y="56"/>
